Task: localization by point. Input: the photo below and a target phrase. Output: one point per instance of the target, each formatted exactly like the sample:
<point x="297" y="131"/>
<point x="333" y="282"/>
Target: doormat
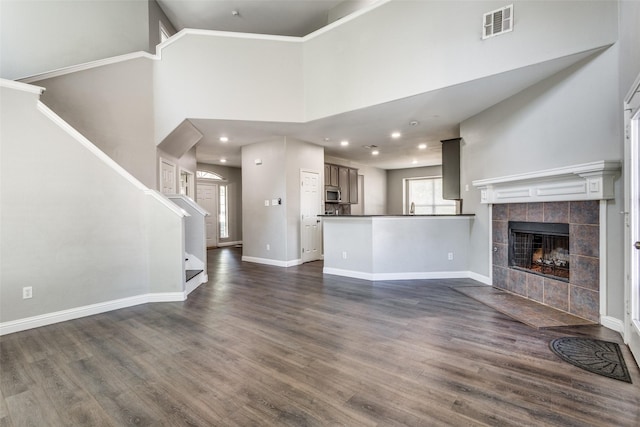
<point x="522" y="309"/>
<point x="596" y="356"/>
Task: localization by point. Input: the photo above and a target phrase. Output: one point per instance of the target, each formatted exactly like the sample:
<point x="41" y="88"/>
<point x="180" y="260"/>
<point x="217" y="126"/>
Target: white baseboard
<point x="613" y="324"/>
<point x="223" y="244"/>
<point x="87" y="310"/>
<point x="273" y="262"/>
<point x="421" y="275"/>
<point x="480" y="278"/>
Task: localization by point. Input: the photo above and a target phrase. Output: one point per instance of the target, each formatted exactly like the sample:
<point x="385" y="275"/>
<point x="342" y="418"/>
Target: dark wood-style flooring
<point x="261" y="345"/>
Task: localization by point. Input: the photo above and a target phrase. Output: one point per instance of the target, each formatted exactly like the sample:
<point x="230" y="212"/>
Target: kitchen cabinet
<point x="345" y="178"/>
<point x="353" y="186"/>
<point x="333" y="176"/>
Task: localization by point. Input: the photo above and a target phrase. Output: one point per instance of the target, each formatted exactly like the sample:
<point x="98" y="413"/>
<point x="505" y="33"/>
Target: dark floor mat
<point x="600" y="357"/>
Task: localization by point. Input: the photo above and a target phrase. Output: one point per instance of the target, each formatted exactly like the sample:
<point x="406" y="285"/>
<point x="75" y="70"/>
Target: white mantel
<point x="587" y="181"/>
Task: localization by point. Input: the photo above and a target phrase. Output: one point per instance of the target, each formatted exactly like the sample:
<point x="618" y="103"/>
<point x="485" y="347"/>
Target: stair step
<point x="190" y="274"/>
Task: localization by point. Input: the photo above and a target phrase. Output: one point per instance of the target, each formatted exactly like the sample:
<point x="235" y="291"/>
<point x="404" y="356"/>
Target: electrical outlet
<point x="450" y="256"/>
<point x="27" y="292"/>
<point x="344" y="254"/>
<point x="268" y="247"/>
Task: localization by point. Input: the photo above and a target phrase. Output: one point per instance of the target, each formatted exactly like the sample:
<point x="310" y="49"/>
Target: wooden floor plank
<point x="268" y="346"/>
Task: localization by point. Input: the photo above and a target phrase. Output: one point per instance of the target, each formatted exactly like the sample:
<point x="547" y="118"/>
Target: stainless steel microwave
<point x="332" y="195"/>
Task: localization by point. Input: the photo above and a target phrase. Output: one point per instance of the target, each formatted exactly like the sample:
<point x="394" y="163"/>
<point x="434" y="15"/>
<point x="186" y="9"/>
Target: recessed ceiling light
<point x="375" y="152"/>
<point x="224" y="139"/>
<point x="327" y="139"/>
<point x="344" y="143"/>
<point x="414" y="162"/>
<point x="396" y="135"/>
<point x="422" y="146"/>
<point x="223" y="160"/>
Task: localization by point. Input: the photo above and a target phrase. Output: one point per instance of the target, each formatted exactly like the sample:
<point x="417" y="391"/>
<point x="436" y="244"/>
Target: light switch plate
<point x="266" y="203"/>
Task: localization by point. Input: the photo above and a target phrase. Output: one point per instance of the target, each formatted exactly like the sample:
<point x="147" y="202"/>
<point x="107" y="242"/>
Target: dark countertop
<point x="398" y="216"/>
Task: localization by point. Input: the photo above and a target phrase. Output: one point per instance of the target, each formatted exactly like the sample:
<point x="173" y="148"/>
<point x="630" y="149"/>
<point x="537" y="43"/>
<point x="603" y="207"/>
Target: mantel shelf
<point x="587" y="181"/>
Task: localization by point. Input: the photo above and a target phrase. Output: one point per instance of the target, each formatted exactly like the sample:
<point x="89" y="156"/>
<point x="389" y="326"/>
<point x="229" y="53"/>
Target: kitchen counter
<point x="399" y="216"/>
<point x="397" y="247"/>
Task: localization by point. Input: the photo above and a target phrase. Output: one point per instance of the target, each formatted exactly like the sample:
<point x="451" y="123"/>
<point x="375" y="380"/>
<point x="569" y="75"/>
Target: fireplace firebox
<point x="540" y="248"/>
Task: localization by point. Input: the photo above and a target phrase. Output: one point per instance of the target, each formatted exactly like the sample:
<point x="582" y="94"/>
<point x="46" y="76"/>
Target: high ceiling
<point x="422" y="119"/>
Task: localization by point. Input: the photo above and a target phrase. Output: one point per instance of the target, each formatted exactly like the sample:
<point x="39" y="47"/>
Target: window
<point x="223" y="217"/>
<point x="209" y="175"/>
<point x="425" y="194"/>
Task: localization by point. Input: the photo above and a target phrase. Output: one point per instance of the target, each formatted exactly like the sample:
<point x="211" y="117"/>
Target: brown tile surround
<point x="581" y="295"/>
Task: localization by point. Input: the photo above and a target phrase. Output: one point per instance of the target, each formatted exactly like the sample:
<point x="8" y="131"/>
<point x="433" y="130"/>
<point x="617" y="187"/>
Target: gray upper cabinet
<point x="353" y="186"/>
<point x="345" y="178"/>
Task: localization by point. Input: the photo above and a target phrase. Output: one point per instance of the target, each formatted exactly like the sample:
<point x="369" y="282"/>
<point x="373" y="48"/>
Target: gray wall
<point x="156" y="14"/>
<point x="74" y="228"/>
<point x="40" y="36"/>
<point x="277" y="177"/>
<point x="264" y="225"/>
<point x="395" y="185"/>
<point x="350" y="66"/>
<point x="113" y="107"/>
<point x="300" y="156"/>
<point x="233" y="177"/>
<point x="573" y="117"/>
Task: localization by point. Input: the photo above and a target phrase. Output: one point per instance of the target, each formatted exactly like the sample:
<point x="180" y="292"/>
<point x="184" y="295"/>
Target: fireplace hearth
<point x="540" y="248"/>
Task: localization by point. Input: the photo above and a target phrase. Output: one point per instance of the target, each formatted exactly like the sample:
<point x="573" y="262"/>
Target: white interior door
<point x="632" y="241"/>
<point x="207" y="197"/>
<point x="167" y="177"/>
<point x="311" y="227"/>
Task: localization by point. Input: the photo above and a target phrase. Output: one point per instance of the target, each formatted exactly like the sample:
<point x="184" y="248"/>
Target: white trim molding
<point x="418" y="275"/>
<point x="587" y="181"/>
<point x="24" y="87"/>
<point x="273" y="262"/>
<point x="87" y="310"/>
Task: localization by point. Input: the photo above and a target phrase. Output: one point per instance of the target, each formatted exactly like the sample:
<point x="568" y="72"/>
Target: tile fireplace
<point x="549" y="235"/>
<point x="552" y="262"/>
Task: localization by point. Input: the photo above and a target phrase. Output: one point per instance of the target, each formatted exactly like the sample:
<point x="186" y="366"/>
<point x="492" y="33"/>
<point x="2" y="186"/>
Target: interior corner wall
<point x="58" y="34"/>
<point x="300" y="155"/>
<point x="112" y="106"/>
<point x="570" y="118"/>
<point x="233" y="177"/>
<point x="264" y="225"/>
<point x="157" y="15"/>
<point x="395" y="185"/>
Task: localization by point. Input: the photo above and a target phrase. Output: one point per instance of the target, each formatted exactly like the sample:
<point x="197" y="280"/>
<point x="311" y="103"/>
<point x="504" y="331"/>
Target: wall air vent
<point x="497" y="22"/>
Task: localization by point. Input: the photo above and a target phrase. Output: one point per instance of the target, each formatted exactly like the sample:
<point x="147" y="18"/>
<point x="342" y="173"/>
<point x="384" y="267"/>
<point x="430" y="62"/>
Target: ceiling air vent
<point x="497" y="22"/>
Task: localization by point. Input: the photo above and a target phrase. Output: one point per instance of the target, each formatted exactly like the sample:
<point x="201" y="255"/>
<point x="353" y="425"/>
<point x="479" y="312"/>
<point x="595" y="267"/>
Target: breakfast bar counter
<point x="397" y="247"/>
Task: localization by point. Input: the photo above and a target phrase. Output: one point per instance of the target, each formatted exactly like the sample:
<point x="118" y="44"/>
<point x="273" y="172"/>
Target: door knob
<point x="636" y="245"/>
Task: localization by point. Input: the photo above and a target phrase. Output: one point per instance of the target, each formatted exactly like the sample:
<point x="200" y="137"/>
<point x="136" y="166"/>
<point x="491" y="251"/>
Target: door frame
<point x="320" y="210"/>
<point x="191" y="187"/>
<point x="216" y="212"/>
<point x="175" y="175"/>
<point x="632" y="219"/>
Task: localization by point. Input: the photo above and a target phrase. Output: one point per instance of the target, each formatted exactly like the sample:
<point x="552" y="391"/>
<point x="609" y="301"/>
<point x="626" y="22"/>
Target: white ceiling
<point x="438" y="113"/>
